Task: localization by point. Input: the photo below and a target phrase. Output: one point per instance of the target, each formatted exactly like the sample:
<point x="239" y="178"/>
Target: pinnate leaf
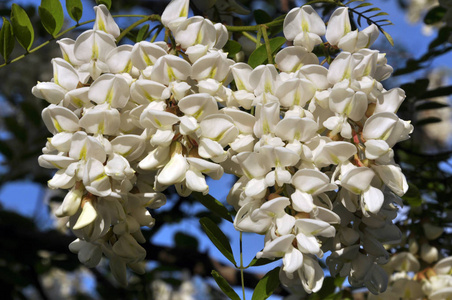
<point x="22" y="28"/>
<point x="218" y="238"/>
<point x="74" y="9"/>
<point x="267" y="285"/>
<point x="261" y="16"/>
<point x="213" y="205"/>
<point x="363" y="5"/>
<point x="261" y="261"/>
<point x="6" y="39"/>
<point x="143" y="33"/>
<point x="259" y="56"/>
<point x="388" y="37"/>
<point x="224" y="286"/>
<point x="232" y="48"/>
<point x="435" y="15"/>
<point x="412" y="196"/>
<point x="52" y="16"/>
<point x="431" y="105"/>
<point x="429" y="120"/>
<point x="107" y="3"/>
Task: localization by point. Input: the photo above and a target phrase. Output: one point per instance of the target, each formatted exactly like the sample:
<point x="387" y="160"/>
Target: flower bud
<point x="429" y="253"/>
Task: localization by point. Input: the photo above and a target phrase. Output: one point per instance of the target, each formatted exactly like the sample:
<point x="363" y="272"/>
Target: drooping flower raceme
<point x="311" y="145"/>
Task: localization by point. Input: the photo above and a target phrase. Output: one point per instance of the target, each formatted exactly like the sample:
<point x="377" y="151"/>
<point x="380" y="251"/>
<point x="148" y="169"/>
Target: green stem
<point x="254" y="27"/>
<point x="267" y="45"/>
<point x="46" y="42"/>
<point x="171" y="38"/>
<point x="130" y="16"/>
<point x="278" y="21"/>
<point x="336" y="2"/>
<point x="63" y="33"/>
<point x="157" y="33"/>
<point x="258" y="38"/>
<point x="137" y="23"/>
<point x="249" y="36"/>
<point x="242" y="267"/>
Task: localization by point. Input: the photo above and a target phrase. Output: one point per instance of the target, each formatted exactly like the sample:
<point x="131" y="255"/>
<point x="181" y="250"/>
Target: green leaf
<point x="388" y="37"/>
<point x="232" y="48"/>
<point x="262" y="16"/>
<point x="412" y="196"/>
<point x="431" y="105"/>
<point x="185" y="241"/>
<point x="442" y="37"/>
<point x="266" y="285"/>
<point x="6" y="39"/>
<point x="435" y="15"/>
<point x="142" y="34"/>
<point x="213" y="205"/>
<point x="74" y="9"/>
<point x="107" y="3"/>
<point x="218" y="238"/>
<point x="415" y="89"/>
<point x="22" y="28"/>
<point x="426" y="121"/>
<point x="259" y="56"/>
<point x="327" y="290"/>
<point x="384" y="21"/>
<point x="52" y="16"/>
<point x="224" y="286"/>
<point x="338" y="281"/>
<point x="380" y="14"/>
<point x="363" y="5"/>
<point x="371" y="9"/>
<point x="261" y="261"/>
<point x="438" y="92"/>
<point x="351" y="1"/>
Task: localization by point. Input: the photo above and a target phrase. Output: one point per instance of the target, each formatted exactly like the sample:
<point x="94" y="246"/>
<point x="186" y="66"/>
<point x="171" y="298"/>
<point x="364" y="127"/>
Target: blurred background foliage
<point x="35" y="262"/>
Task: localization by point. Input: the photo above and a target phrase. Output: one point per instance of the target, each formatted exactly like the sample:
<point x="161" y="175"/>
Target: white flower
<point x="292" y="58"/>
<point x="195" y="31"/>
<point x="259" y="219"/>
<point x="175" y="13"/>
<point x="307" y="230"/>
<point x="358" y="181"/>
<point x="429" y="253"/>
<point x="338" y="25"/>
<point x="110" y="89"/>
<point x="59" y="119"/>
<point x="93" y="44"/>
<point x="309" y="183"/>
<point x="169" y="68"/>
<point x="255" y="166"/>
<point x="104" y="21"/>
<point x="304" y="26"/>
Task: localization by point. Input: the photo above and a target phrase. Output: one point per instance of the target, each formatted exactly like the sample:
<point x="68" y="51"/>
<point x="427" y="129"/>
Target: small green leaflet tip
<point x="388" y="37"/>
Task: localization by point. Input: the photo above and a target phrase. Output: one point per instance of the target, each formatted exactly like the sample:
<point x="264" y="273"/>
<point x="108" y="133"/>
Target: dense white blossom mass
<point x="310" y="142"/>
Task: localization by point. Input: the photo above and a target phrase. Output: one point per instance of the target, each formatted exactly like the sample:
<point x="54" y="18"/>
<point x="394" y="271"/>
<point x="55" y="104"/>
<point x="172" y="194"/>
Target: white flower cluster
<point x="311" y="145"/>
<point x="408" y="280"/>
<point x="433" y="283"/>
<point x="321" y="176"/>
